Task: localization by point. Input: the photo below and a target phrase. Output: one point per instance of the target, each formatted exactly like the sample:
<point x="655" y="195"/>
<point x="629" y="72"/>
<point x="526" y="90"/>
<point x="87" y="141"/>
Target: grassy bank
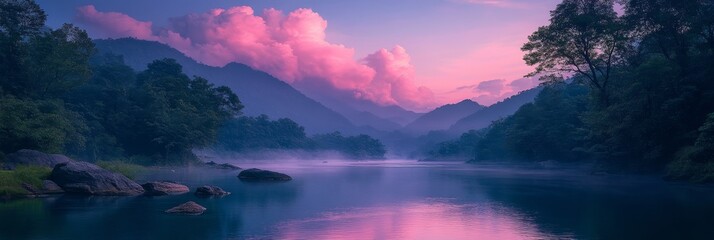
<point x="11" y="181"/>
<point x="129" y="170"/>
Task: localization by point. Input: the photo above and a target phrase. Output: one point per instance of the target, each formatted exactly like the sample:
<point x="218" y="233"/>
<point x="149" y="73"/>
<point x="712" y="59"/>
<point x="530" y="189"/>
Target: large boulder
<point x="34" y="158"/>
<point x="164" y="188"/>
<point x="87" y="178"/>
<point x="255" y="174"/>
<point x="189" y="207"/>
<point x="211" y="191"/>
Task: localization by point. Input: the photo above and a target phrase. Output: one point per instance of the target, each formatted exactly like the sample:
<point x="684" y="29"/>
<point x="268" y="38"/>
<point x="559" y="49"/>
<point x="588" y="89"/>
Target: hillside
<point x="260" y="92"/>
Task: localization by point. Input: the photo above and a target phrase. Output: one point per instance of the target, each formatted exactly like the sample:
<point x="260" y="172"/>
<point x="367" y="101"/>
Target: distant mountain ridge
<point x="361" y="112"/>
<point x="260" y="92"/>
<point x="442" y="117"/>
<point x="484" y="117"/>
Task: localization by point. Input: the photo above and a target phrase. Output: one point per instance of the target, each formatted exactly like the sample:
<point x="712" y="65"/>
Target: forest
<point x="632" y="91"/>
<point x="59" y="95"/>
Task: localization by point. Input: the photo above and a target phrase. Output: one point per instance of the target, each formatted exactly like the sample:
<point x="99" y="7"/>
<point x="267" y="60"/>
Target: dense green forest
<point x="58" y="95"/>
<point x="639" y="94"/>
<point x="246" y="134"/>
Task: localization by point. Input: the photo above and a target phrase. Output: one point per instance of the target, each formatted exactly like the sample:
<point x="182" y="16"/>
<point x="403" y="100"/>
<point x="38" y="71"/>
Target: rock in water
<point x="164" y="188"/>
<point x="34" y="158"/>
<point x="87" y="178"/>
<point x="189" y="207"/>
<point x="255" y="174"/>
<point x="210" y="191"/>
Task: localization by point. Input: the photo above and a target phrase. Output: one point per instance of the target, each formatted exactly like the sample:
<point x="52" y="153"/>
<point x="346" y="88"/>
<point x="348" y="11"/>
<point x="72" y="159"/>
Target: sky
<point x="418" y="54"/>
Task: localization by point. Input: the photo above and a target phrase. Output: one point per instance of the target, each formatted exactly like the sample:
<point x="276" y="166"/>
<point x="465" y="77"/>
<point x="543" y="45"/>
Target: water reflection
<point x="381" y="200"/>
<point x="420" y="220"/>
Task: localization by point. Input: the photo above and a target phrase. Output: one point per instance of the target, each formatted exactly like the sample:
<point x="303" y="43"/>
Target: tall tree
<point x="19" y="20"/>
<point x="583" y="37"/>
<point x="175" y="113"/>
<point x="59" y="60"/>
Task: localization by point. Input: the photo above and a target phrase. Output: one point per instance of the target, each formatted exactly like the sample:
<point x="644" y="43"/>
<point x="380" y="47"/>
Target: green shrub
<point x="11" y="181"/>
<point x="684" y="168"/>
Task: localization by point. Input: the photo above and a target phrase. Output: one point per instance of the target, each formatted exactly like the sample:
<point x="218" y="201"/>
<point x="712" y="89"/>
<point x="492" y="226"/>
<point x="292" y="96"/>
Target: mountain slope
<point x="259" y="92"/>
<point x="361" y="112"/>
<point x="484" y="117"/>
<point x="442" y="117"/>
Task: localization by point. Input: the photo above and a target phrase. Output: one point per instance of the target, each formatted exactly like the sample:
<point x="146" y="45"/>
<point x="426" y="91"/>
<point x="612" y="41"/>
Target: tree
<point x="172" y="113"/>
<point x="258" y="133"/>
<point x="584" y="37"/>
<point x="41" y="125"/>
<point x="59" y="60"/>
<point x="672" y="28"/>
<point x="19" y="20"/>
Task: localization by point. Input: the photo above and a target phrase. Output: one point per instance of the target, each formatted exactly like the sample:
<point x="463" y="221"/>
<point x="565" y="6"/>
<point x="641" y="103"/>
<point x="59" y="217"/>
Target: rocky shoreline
<point x="70" y="176"/>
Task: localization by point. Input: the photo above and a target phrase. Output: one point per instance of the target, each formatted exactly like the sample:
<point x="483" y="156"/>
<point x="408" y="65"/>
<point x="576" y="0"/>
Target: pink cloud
<point x="112" y="25"/>
<point x="495" y="3"/>
<point x="291" y="47"/>
<point x="492" y="91"/>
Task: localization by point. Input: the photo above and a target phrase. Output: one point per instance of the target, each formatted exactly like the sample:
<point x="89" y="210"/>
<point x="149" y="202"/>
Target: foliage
<point x="19" y="19"/>
<point x="11" y="181"/>
<point x="59" y="61"/>
<point x="251" y="133"/>
<point x="57" y="95"/>
<point x="171" y="113"/>
<point x="42" y="125"/>
<point x="654" y="114"/>
<point x="463" y="148"/>
<point x="129" y="170"/>
<point x="360" y="146"/>
<point x="246" y="134"/>
<point x="583" y="37"/>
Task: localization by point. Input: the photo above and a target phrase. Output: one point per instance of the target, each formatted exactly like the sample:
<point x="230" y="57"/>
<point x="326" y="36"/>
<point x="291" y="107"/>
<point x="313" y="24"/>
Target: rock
<point x="164" y="188"/>
<point x="87" y="178"/>
<point x="210" y="191"/>
<point x="34" y="158"/>
<point x="30" y="189"/>
<point x="225" y="166"/>
<point x="50" y="187"/>
<point x="189" y="207"/>
<point x="255" y="174"/>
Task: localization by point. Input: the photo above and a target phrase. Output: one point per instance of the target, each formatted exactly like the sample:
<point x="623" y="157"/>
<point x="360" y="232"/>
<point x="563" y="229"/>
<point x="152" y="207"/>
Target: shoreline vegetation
<point x="632" y="92"/>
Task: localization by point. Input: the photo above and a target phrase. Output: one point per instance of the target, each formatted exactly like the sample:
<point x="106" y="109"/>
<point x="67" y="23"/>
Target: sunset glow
<point x="477" y="57"/>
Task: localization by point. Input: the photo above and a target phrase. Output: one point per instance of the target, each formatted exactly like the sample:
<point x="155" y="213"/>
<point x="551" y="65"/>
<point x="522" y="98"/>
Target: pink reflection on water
<point x="426" y="220"/>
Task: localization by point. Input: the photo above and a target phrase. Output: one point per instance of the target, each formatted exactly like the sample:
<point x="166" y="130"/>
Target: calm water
<point x="383" y="200"/>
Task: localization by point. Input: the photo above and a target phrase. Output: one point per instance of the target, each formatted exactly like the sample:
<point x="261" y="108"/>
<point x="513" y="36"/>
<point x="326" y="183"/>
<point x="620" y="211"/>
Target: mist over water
<point x="381" y="199"/>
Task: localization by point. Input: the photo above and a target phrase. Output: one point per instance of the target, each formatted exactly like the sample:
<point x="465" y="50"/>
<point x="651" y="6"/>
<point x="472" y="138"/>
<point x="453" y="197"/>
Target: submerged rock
<point x="255" y="174"/>
<point x="87" y="178"/>
<point x="164" y="188"/>
<point x="211" y="191"/>
<point x="33" y="158"/>
<point x="189" y="207"/>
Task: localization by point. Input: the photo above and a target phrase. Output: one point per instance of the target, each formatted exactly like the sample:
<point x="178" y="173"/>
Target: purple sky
<point x="418" y="54"/>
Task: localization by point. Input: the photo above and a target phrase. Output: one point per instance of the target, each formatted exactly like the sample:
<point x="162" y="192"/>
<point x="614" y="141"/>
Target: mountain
<point x="484" y="117"/>
<point x="260" y="92"/>
<point x="361" y="112"/>
<point x="442" y="117"/>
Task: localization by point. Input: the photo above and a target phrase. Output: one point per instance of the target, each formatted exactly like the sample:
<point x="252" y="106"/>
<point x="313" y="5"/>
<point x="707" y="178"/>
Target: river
<point x="386" y="199"/>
